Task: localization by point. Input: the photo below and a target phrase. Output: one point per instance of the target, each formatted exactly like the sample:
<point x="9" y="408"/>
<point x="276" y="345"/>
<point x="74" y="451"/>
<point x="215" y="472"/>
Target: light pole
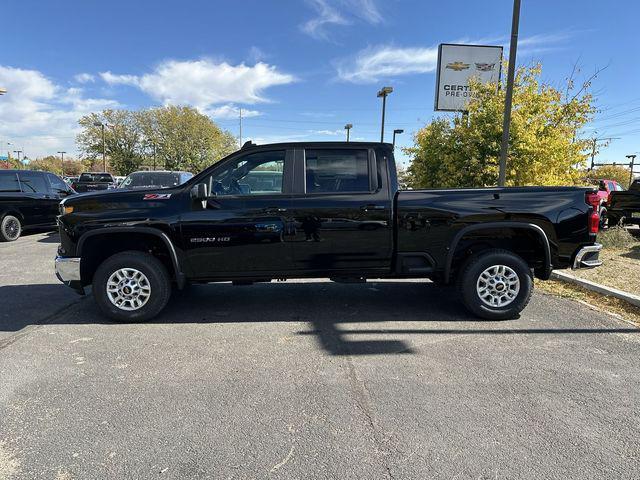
<point x="631" y="165"/>
<point x="384" y="91"/>
<point x="62" y="160"/>
<point x="18" y="152"/>
<point x="397" y="131"/>
<point x="348" y="127"/>
<point x="104" y="148"/>
<point x="506" y="121"/>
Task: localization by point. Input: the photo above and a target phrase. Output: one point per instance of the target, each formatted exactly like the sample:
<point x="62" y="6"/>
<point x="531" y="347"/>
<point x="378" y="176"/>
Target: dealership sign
<point x="457" y="64"/>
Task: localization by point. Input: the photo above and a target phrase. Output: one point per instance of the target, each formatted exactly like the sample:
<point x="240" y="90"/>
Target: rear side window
<point x="336" y="170"/>
<point x="57" y="184"/>
<point x="33" y="182"/>
<point x="9" y="182"/>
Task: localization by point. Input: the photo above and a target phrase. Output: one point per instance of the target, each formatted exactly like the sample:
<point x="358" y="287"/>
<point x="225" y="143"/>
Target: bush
<point x="616" y="238"/>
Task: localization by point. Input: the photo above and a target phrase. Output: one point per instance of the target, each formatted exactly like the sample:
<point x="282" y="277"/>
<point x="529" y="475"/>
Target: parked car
<point x="157" y="179"/>
<point x="70" y="180"/>
<point x="624" y="206"/>
<point x="327" y="209"/>
<point x="94" y="181"/>
<point x="29" y="200"/>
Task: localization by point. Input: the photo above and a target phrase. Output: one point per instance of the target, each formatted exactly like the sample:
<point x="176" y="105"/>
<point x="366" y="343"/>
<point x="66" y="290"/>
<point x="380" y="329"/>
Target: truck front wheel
<point x="131" y="286"/>
<point x="496" y="285"/>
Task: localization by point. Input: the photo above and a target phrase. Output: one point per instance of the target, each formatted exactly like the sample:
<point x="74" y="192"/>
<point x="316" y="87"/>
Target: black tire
<point x="10" y="228"/>
<point x="468" y="282"/>
<point x="158" y="281"/>
<point x="604" y="219"/>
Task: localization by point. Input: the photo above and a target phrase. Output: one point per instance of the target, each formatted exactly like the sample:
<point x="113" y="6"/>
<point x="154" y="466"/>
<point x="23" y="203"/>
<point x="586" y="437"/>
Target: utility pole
<point x="631" y="165"/>
<point x="348" y="127"/>
<point x="104" y="148"/>
<point x="62" y="160"/>
<point x="154" y="156"/>
<point x="240" y="127"/>
<point x="383" y="94"/>
<point x="593" y="152"/>
<point x="508" y="97"/>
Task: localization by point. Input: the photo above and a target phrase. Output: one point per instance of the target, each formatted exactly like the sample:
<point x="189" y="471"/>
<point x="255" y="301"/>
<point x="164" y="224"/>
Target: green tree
<point x="611" y="172"/>
<point x="181" y="138"/>
<point x="53" y="164"/>
<point x="123" y="139"/>
<point x="544" y="148"/>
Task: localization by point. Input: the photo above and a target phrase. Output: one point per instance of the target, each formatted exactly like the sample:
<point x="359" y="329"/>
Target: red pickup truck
<point x="605" y="188"/>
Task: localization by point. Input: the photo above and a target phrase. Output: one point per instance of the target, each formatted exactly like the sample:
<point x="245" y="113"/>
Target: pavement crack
<point x="361" y="396"/>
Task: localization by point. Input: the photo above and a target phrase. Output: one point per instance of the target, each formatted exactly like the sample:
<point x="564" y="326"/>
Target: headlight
<point x="65" y="209"/>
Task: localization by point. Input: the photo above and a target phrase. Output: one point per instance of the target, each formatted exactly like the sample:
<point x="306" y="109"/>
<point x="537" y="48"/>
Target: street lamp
<point x="348" y="127"/>
<point x="18" y="152"/>
<point x="631" y="164"/>
<point x="104" y="148"/>
<point x="383" y="93"/>
<point x="62" y="160"/>
<point x="397" y="131"/>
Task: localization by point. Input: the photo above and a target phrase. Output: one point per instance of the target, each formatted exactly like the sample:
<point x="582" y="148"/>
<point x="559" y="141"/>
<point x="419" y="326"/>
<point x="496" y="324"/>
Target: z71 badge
<point x="157" y="196"/>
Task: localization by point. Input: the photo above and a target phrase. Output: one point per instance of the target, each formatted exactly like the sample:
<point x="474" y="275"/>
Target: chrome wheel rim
<point x="128" y="289"/>
<point x="12" y="228"/>
<point x="498" y="286"/>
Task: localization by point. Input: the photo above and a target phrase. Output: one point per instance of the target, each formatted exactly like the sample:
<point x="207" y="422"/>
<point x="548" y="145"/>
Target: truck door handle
<point x="371" y="206"/>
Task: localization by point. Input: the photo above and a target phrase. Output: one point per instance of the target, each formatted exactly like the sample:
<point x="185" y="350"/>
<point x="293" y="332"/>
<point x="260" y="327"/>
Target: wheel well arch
<point x="525" y="239"/>
<point x="14" y="212"/>
<point x="96" y="246"/>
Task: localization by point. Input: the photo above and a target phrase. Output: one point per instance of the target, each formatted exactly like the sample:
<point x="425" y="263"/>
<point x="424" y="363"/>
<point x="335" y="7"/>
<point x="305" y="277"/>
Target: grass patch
<point x="597" y="301"/>
<point x="616" y="238"/>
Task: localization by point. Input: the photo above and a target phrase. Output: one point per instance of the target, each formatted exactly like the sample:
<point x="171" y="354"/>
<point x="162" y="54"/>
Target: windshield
<point x="151" y="179"/>
<point x="96" y="177"/>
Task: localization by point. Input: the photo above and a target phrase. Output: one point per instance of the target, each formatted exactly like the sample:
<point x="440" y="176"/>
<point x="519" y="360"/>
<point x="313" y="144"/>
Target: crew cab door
<point x="243" y="228"/>
<point x="38" y="205"/>
<point x="342" y="213"/>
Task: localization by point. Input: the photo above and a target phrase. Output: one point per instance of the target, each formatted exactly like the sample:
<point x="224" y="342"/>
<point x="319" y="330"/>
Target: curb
<point x="596" y="287"/>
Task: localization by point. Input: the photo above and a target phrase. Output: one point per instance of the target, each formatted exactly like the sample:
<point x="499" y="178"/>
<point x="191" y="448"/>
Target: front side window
<point x="336" y="170"/>
<point x="33" y="182"/>
<point x="9" y="182"/>
<point x="255" y="174"/>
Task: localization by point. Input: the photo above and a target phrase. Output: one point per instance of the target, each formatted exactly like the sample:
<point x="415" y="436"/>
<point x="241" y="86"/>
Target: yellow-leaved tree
<point x="545" y="147"/>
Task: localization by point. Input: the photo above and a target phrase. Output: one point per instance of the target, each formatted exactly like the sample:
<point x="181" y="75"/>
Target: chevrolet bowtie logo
<point x="485" y="67"/>
<point x="457" y="66"/>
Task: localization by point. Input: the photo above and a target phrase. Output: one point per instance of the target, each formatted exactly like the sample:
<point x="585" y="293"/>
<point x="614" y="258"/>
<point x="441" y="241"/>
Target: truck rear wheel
<point x="496" y="285"/>
<point x="131" y="286"/>
<point x="10" y="228"/>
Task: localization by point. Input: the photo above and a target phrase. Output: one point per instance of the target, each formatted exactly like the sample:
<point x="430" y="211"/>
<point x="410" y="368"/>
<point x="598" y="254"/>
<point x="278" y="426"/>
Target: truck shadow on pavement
<point x="334" y="313"/>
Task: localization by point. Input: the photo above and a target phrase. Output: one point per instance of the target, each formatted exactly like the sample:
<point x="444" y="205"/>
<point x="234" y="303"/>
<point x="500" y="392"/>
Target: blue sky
<point x="299" y="70"/>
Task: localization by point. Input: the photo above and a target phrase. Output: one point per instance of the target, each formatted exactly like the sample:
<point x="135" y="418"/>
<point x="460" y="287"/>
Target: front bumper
<point x="68" y="269"/>
<point x="588" y="257"/>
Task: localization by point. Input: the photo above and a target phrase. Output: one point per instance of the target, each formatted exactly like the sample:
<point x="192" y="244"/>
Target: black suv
<point x="29" y="200"/>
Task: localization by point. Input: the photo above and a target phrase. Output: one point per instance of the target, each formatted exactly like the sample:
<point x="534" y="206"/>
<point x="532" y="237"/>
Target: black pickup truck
<point x="624" y="206"/>
<point x="332" y="210"/>
<point x="94" y="182"/>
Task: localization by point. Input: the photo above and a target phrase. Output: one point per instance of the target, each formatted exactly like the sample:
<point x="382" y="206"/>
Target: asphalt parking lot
<point x="309" y="380"/>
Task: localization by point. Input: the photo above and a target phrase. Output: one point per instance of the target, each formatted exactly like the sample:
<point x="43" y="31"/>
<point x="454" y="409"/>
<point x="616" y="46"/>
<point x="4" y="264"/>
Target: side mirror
<point x="200" y="192"/>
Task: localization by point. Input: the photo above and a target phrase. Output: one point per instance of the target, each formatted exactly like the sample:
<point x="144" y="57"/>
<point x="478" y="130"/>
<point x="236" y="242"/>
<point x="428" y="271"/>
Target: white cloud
<point x="375" y="63"/>
<point x="84" y="78"/>
<point x="40" y="116"/>
<point x="204" y="83"/>
<point x="327" y="15"/>
<point x="230" y="111"/>
<point x="339" y="12"/>
<point x="331" y="133"/>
